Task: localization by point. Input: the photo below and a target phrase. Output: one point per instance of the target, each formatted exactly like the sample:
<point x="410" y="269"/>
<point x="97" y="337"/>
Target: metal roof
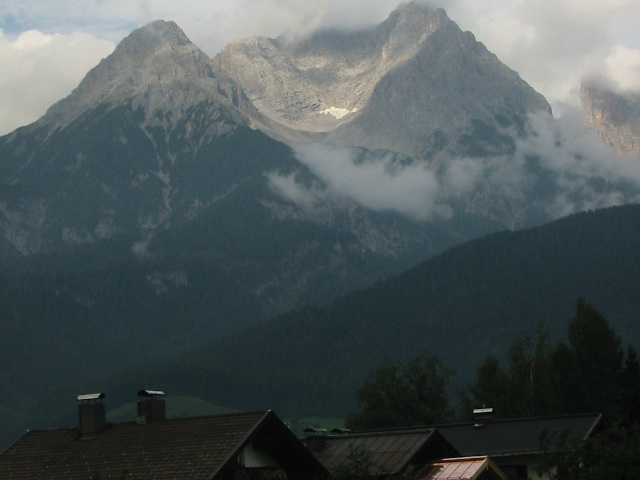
<point x="389" y="451"/>
<point x="469" y="468"/>
<point x="517" y="436"/>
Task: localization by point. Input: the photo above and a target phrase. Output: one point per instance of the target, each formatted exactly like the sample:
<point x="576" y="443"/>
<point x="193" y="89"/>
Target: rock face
<point x="615" y="115"/>
<point x="415" y="84"/>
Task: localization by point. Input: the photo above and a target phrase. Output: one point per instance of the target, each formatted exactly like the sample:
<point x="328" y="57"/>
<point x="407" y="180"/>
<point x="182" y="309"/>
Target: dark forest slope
<point x="462" y="305"/>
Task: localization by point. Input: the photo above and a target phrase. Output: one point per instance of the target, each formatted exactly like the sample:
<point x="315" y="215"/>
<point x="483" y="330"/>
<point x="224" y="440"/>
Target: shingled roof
<point x="186" y="449"/>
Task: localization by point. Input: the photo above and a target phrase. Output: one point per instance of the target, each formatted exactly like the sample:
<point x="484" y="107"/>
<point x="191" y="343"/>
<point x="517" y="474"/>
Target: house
<point x="378" y="453"/>
<point x="247" y="445"/>
<point x="517" y="445"/>
<point x="467" y="468"/>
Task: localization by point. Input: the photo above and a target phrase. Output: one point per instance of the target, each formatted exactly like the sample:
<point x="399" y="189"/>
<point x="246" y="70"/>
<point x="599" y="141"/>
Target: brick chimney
<point x="91" y="413"/>
<point x="151" y="406"/>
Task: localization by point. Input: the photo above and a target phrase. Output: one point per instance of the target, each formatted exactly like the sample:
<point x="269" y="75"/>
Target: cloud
<point x="550" y="44"/>
<point x="231" y="20"/>
<point x="586" y="173"/>
<point x="622" y="66"/>
<point x="562" y="165"/>
<point x="39" y="69"/>
<point x="380" y="184"/>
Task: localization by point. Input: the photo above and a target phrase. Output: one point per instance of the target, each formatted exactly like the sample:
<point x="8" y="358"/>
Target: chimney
<point x="151" y="406"/>
<point x="482" y="415"/>
<point x="91" y="413"/>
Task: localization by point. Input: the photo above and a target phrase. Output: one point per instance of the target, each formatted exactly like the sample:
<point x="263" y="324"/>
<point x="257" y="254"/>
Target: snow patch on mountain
<point x="338" y="113"/>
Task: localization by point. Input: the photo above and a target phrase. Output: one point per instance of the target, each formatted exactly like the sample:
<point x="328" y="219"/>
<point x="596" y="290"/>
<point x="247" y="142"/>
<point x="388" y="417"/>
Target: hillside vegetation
<point x="463" y="305"/>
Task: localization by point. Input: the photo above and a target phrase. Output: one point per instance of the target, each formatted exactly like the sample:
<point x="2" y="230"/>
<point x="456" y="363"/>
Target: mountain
<point x="616" y="115"/>
<point x="139" y="219"/>
<point x="100" y="161"/>
<point x="415" y="84"/>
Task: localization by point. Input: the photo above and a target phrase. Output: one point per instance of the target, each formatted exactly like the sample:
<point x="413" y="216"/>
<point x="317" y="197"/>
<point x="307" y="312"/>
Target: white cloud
<point x="551" y="44"/>
<point x="623" y="68"/>
<point x="288" y="187"/>
<point x="39" y="69"/>
<point x="376" y="183"/>
<point x="565" y="167"/>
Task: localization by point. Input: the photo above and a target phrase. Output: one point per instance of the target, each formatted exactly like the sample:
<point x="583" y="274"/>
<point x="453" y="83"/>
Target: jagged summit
<point x="322" y="81"/>
<point x="153" y="37"/>
<point x="413" y="84"/>
<point x="413" y="16"/>
<point x="156" y="67"/>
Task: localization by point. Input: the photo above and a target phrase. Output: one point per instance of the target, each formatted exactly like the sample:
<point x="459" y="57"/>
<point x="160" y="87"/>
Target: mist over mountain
<point x="448" y="127"/>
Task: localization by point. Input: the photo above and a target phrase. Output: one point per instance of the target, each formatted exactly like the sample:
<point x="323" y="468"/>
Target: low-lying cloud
<point x="559" y="169"/>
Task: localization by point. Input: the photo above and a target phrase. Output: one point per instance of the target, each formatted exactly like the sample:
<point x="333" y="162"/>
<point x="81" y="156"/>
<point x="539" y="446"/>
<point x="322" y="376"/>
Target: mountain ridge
<point x="359" y="88"/>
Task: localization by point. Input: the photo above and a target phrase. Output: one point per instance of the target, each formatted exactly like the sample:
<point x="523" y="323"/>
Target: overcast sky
<point x="47" y="46"/>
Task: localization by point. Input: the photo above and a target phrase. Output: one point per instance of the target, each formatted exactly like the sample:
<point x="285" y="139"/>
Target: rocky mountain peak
<point x="156" y="67"/>
<point x="320" y="82"/>
<point x="414" y="16"/>
<point x="153" y="38"/>
<point x="413" y="84"/>
<point x="616" y="115"/>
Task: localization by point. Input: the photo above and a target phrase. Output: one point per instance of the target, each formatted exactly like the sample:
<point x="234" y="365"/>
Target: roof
<point x="518" y="436"/>
<point x="469" y="468"/>
<point x="188" y="448"/>
<point x="389" y="451"/>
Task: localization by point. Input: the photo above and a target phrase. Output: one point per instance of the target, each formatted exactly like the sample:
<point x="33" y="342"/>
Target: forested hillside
<point x="467" y="303"/>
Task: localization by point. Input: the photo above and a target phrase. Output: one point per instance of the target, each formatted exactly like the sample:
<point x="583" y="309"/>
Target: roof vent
<point x="91" y="413"/>
<point x="482" y="415"/>
<point x="151" y="406"/>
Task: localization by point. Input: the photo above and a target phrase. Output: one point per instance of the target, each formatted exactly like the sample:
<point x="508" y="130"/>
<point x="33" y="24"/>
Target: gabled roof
<point x="497" y="437"/>
<point x="389" y="451"/>
<point x="469" y="468"/>
<point x="188" y="448"/>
